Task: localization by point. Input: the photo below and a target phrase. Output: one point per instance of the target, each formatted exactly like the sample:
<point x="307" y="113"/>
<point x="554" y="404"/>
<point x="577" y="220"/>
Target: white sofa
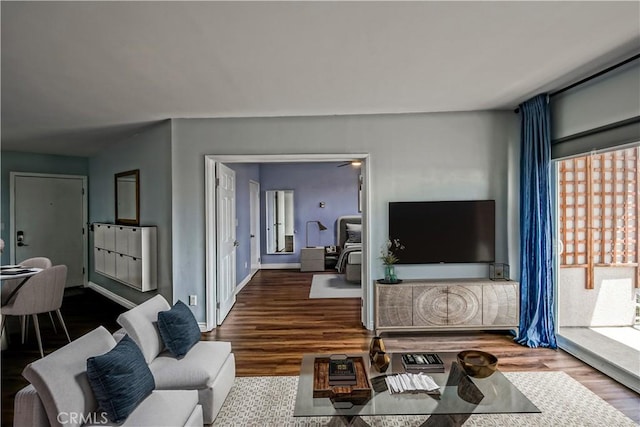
<point x="209" y="367"/>
<point x="189" y="391"/>
<point x="60" y="393"/>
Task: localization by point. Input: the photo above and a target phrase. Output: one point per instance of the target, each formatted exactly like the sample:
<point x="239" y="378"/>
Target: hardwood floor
<point x="274" y="323"/>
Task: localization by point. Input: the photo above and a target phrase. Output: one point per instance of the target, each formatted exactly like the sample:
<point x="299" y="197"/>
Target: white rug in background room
<point x="269" y="401"/>
<point x="333" y="286"/>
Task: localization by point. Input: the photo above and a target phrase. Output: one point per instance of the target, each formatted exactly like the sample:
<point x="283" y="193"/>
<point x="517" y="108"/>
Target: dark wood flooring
<point x="274" y="323"/>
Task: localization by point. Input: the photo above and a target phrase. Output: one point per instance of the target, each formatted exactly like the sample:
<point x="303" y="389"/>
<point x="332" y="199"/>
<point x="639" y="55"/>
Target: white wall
<point x="610" y="303"/>
<point x="443" y="156"/>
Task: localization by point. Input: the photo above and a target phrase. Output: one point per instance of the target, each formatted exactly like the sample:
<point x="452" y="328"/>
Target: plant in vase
<point x="389" y="258"/>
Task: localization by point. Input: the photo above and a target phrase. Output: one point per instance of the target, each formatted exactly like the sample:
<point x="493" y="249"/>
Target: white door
<point x="254" y="231"/>
<point x="49" y="217"/>
<point x="226" y="240"/>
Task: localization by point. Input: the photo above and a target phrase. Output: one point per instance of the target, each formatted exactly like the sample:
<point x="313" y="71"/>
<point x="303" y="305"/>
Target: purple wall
<point x="312" y="182"/>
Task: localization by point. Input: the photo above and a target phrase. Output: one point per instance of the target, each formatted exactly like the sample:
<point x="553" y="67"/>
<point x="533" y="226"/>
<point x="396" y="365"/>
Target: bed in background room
<point x="349" y="238"/>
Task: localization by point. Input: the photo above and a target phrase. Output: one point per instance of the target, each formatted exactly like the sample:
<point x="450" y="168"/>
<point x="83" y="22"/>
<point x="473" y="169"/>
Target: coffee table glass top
<point x="500" y="395"/>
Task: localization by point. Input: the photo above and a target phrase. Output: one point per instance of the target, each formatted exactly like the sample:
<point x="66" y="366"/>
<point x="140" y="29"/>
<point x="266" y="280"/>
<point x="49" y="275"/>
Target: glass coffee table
<point x="458" y="399"/>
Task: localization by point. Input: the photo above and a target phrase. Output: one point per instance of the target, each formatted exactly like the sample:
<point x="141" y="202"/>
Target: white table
<point x="24" y="276"/>
<point x="32" y="271"/>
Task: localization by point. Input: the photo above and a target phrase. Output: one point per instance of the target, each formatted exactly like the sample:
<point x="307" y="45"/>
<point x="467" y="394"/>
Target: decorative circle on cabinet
<point x="430" y="306"/>
<point x="464" y="305"/>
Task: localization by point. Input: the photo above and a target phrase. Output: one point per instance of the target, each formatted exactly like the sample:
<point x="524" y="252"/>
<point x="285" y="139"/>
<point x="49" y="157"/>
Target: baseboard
<point x="606" y="367"/>
<point x="112" y="296"/>
<point x="244" y="282"/>
<point x="291" y="266"/>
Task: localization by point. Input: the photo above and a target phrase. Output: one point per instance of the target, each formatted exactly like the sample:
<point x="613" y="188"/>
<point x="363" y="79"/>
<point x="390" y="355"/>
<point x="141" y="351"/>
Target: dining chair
<point x="42" y="293"/>
<point x="8" y="287"/>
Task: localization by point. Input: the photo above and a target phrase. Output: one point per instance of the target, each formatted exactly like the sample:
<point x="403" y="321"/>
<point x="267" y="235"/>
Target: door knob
<point x="20" y="238"/>
<point x="236" y="243"/>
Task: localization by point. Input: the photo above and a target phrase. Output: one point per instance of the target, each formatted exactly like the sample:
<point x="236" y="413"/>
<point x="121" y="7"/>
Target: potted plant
<point x="389" y="258"/>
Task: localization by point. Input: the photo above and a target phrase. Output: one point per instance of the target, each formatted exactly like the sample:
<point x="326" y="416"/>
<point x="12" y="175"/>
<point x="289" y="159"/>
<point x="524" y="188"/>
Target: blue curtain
<point x="537" y="323"/>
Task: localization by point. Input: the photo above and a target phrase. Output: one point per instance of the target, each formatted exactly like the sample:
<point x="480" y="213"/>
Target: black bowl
<point x="478" y="364"/>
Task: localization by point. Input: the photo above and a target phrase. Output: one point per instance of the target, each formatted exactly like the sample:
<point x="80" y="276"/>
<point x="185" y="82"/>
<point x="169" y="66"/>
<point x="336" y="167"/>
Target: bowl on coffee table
<point x="477" y="364"/>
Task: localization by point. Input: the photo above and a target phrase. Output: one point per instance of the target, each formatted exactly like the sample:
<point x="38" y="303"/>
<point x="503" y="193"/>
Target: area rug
<point x="333" y="286"/>
<point x="269" y="401"/>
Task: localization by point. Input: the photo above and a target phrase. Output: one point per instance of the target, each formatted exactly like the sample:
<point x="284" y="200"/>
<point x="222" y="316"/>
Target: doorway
<point x="212" y="258"/>
<point x="48" y="218"/>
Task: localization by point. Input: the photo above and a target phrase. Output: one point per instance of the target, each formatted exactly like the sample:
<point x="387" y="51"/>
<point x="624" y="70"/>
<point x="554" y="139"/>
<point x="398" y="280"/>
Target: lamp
<point x="321" y="227"/>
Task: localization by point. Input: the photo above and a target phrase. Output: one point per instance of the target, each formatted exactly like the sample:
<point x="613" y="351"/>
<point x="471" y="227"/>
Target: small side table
<point x="312" y="259"/>
<point x="331" y="255"/>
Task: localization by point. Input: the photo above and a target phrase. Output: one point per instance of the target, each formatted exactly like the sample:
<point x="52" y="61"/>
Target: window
<point x="599" y="210"/>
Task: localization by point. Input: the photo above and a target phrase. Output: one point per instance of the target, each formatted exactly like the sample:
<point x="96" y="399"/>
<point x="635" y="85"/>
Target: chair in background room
<point x="42" y="293"/>
<point x="8" y="287"/>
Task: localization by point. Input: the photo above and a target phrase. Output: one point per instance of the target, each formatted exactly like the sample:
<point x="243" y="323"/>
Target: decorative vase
<point x="381" y="361"/>
<point x="390" y="273"/>
<point x="376" y="346"/>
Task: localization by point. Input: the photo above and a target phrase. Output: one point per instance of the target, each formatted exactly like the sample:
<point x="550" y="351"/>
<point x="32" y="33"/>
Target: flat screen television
<point x="444" y="231"/>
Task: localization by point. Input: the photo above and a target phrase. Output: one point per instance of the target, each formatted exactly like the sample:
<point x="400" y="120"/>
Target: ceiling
<point x="79" y="75"/>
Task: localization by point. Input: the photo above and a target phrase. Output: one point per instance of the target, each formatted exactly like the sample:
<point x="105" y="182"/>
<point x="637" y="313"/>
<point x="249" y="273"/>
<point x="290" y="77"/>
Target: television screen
<point x="444" y="232"/>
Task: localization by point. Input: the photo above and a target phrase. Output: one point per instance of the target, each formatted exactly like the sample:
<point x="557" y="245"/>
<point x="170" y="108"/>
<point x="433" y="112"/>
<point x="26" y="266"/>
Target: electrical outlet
<point x="193" y="300"/>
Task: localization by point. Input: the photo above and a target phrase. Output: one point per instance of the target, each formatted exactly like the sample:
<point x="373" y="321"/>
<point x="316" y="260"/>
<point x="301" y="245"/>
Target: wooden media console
<point x="446" y="305"/>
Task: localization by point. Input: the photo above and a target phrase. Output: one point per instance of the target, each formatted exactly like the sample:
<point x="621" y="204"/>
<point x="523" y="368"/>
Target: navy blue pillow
<point x="120" y="379"/>
<point x="179" y="329"/>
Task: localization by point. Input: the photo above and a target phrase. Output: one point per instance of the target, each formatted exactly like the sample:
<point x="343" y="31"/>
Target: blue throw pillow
<point x="179" y="329"/>
<point x="120" y="379"/>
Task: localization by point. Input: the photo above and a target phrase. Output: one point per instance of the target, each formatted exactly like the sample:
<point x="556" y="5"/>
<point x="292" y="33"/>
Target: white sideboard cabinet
<point x="127" y="254"/>
<point x="447" y="304"/>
